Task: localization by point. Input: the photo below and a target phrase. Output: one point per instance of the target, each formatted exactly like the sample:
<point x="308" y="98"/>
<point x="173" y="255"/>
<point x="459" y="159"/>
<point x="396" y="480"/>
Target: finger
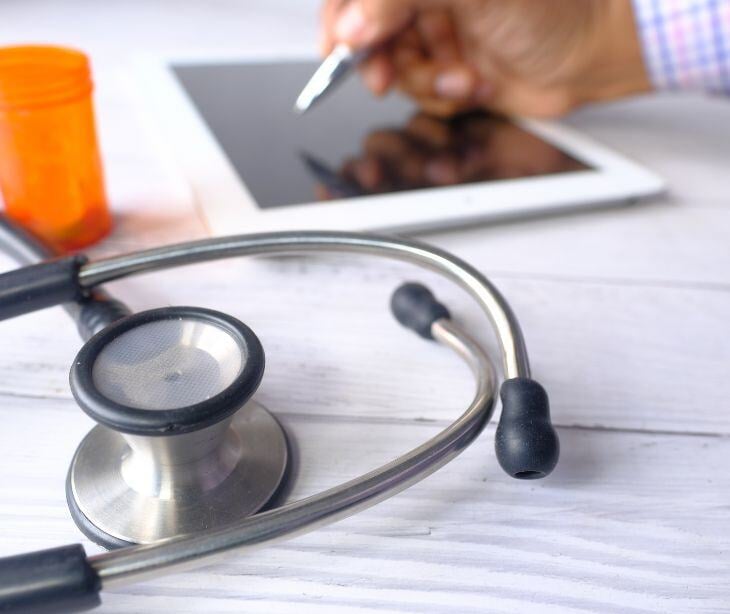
<point x="322" y="192"/>
<point x="511" y="97"/>
<point x="378" y="72"/>
<point x="406" y="170"/>
<point x="437" y="32"/>
<point x="481" y="127"/>
<point x="406" y="50"/>
<point x="525" y="99"/>
<point x="454" y="81"/>
<point x="327" y="17"/>
<point x="473" y="166"/>
<point x="387" y="144"/>
<point x="443" y="170"/>
<point x="368" y="173"/>
<point x="399" y="156"/>
<point x="430" y="131"/>
<point x="426" y="79"/>
<point x="438" y="107"/>
<point x="362" y="23"/>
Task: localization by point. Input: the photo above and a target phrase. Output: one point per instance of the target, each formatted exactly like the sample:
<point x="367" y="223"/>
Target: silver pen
<point x="335" y="67"/>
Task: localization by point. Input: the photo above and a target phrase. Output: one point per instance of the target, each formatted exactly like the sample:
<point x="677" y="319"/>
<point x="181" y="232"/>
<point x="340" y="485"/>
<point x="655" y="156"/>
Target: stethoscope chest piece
<point x="179" y="447"/>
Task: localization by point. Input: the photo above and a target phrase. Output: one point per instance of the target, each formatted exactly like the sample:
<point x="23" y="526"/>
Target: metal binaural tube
<point x="141" y="562"/>
<point x="91" y="314"/>
<point x="514" y="354"/>
<point x="19" y="245"/>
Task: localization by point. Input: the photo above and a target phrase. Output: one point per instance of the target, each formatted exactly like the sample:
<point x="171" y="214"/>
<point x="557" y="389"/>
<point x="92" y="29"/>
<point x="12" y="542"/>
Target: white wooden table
<point x="626" y="313"/>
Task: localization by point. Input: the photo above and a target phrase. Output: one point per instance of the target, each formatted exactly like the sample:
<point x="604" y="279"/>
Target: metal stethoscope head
<point x="180" y="447"/>
<point x="182" y="456"/>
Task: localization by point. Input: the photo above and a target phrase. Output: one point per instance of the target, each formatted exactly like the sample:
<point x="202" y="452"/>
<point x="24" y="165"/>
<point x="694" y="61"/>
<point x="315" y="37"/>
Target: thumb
<point x="362" y="23"/>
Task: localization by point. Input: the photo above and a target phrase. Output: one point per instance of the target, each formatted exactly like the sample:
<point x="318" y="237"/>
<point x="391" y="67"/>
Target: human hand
<point x="523" y="57"/>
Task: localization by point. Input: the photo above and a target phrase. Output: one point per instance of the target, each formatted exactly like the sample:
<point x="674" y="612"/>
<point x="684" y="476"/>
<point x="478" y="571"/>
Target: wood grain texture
<point x="625" y="311"/>
<point x="607" y="532"/>
<point x="618" y="359"/>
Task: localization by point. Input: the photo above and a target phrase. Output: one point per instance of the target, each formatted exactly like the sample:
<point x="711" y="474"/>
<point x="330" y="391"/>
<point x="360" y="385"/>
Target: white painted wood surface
<point x="626" y="316"/>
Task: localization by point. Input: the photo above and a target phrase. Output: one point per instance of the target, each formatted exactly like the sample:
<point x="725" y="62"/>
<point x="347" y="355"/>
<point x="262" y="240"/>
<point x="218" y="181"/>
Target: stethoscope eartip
<point x="526" y="443"/>
<point x="415" y="307"/>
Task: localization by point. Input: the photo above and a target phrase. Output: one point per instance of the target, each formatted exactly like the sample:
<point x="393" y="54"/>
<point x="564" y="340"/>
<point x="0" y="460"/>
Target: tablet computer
<point x="355" y="162"/>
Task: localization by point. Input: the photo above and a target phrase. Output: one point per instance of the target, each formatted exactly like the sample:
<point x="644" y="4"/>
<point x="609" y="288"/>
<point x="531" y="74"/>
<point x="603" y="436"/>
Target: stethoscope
<point x="182" y="457"/>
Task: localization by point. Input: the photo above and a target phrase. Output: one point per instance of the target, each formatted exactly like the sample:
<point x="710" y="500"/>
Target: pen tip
<point x="301" y="105"/>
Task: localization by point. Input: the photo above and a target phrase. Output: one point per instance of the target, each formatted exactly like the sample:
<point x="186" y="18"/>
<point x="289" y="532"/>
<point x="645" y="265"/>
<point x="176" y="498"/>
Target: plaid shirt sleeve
<point x="686" y="43"/>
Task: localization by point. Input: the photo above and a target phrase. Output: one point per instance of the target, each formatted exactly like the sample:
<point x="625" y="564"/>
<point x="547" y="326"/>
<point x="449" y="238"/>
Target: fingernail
<point x="453" y="84"/>
<point x="351" y="23"/>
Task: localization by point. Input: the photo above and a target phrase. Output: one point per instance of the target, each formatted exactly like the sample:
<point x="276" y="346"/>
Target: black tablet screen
<point x="350" y="144"/>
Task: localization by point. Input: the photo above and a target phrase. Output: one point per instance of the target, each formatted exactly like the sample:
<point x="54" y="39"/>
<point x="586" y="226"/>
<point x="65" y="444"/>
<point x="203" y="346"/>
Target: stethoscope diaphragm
<point x="178" y="435"/>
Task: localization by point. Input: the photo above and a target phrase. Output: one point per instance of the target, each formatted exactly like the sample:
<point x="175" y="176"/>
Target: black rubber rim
<point x="179" y="420"/>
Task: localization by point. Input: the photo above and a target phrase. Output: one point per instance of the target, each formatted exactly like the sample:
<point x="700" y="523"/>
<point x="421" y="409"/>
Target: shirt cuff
<point x="686" y="43"/>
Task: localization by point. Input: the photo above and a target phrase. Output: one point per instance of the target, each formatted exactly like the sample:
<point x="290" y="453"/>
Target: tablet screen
<point x="351" y="144"/>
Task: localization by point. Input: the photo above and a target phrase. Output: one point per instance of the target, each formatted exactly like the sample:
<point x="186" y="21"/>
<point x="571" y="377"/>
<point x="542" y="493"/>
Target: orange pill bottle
<point x="50" y="170"/>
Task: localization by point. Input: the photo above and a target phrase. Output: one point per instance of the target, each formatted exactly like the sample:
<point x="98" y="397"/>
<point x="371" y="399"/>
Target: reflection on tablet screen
<point x="351" y="144"/>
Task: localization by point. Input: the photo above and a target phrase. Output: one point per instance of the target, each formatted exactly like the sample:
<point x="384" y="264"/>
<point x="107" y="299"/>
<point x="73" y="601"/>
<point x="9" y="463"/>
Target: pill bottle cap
<point x="42" y="75"/>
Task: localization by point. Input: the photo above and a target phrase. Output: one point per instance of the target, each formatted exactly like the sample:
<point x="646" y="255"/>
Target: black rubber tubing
<point x="42" y="285"/>
<point x="93" y="312"/>
<point x="55" y="580"/>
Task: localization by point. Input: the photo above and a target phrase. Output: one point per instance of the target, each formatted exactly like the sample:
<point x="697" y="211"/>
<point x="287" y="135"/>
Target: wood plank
<point x="679" y="136"/>
<point x="629" y="522"/>
<point x="612" y="356"/>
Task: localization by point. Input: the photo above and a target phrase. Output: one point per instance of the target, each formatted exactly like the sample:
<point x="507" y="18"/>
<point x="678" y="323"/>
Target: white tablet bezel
<point x="227" y="206"/>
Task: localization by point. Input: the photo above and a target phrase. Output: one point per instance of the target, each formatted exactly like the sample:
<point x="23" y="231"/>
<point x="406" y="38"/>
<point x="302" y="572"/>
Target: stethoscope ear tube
<point x="93" y="312"/>
<point x="55" y="580"/>
<point x="526" y="443"/>
<point x="41" y="285"/>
